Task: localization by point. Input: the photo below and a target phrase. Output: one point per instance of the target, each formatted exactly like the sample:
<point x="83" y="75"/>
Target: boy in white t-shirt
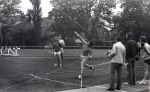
<point x="145" y="56"/>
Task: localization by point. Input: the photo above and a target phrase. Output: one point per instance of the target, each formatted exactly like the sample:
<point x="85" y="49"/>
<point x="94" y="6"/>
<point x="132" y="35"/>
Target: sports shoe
<point x="55" y="65"/>
<point x="126" y="83"/>
<point x="90" y="56"/>
<point x="92" y="68"/>
<point x="142" y="82"/>
<point x="118" y="88"/>
<point x="110" y="89"/>
<point x="79" y="76"/>
<point x="60" y="65"/>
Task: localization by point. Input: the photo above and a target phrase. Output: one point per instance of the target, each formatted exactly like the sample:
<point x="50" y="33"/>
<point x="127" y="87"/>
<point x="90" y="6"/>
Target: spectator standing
<point x="117" y="55"/>
<point x="145" y="55"/>
<point x="131" y="53"/>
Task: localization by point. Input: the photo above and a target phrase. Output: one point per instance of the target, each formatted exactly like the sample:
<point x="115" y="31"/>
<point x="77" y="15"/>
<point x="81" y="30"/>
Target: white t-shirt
<point x="62" y="42"/>
<point x="145" y="51"/>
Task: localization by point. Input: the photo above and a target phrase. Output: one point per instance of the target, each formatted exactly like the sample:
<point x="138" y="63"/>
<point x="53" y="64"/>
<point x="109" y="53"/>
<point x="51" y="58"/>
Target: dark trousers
<point x="115" y="67"/>
<point x="131" y="71"/>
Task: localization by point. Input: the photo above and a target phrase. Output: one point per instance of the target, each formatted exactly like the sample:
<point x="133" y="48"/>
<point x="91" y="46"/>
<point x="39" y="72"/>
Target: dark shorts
<point x="147" y="61"/>
<point x="85" y="52"/>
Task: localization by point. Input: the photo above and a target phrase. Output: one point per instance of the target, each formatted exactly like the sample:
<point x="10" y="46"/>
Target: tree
<point x="8" y="9"/>
<point x="35" y="15"/>
<point x="135" y="17"/>
<point x="84" y="16"/>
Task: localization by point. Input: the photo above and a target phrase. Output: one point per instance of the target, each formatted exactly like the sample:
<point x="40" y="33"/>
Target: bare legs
<point x="83" y="65"/>
<point x="146" y="73"/>
<point x="58" y="59"/>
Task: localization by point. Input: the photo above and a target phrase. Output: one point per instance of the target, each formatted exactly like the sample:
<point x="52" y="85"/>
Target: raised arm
<point x="80" y="37"/>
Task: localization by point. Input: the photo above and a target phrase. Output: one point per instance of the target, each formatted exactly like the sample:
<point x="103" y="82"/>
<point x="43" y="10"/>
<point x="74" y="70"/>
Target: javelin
<point x="74" y="20"/>
<point x="71" y="18"/>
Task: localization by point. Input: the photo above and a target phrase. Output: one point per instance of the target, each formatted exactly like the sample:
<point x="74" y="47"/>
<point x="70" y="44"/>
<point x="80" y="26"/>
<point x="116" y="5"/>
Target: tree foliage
<point x="9" y="8"/>
<point x="84" y="16"/>
<point x="35" y="17"/>
<point x="135" y="17"/>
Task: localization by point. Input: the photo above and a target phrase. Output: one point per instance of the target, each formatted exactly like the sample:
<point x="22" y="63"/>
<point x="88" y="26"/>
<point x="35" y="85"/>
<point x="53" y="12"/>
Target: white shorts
<point x="82" y="57"/>
<point x="57" y="53"/>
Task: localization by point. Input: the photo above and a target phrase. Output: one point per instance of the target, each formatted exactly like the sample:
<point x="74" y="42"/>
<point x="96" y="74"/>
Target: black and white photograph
<point x="74" y="45"/>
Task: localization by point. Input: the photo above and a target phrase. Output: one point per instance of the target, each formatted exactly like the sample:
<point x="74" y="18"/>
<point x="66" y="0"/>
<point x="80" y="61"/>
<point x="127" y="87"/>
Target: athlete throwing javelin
<point x="85" y="54"/>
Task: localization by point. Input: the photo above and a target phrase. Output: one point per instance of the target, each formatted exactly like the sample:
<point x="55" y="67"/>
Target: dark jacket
<point x="131" y="49"/>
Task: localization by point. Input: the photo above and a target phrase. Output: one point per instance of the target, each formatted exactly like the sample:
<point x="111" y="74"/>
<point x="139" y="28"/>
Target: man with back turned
<point x="131" y="53"/>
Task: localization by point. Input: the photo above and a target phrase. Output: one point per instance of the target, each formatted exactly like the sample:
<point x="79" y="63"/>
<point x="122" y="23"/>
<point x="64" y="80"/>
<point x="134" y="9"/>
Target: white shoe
<point x="142" y="82"/>
<point x="126" y="83"/>
<point x="92" y="68"/>
<point x="55" y="65"/>
<point x="60" y="65"/>
<point x="79" y="76"/>
<point x="90" y="56"/>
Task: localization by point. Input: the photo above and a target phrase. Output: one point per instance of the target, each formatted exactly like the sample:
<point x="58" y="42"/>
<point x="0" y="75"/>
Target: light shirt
<point x="62" y="43"/>
<point x="118" y="53"/>
<point x="145" y="51"/>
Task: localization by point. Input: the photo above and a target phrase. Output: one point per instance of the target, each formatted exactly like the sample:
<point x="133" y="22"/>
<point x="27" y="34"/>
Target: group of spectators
<point x="120" y="54"/>
<point x="126" y="54"/>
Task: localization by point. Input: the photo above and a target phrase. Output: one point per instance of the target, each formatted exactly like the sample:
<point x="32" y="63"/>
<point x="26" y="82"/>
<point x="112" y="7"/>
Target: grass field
<point x="33" y="71"/>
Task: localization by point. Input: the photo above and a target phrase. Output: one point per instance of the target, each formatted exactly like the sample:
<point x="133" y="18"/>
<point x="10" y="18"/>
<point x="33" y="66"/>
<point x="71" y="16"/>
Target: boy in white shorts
<point x="85" y="54"/>
<point x="57" y="52"/>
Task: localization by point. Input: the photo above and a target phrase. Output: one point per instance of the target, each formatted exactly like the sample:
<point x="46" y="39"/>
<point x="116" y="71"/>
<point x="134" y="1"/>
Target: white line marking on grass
<point x="104" y="87"/>
<point x="38" y="77"/>
<point x="1" y="90"/>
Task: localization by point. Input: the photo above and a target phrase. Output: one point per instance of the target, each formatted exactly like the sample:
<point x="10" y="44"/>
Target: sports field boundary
<point x="66" y="47"/>
<point x="125" y="88"/>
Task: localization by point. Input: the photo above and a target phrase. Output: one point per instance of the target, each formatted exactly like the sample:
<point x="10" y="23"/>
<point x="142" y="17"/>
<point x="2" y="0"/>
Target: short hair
<point x="143" y="39"/>
<point x="130" y="35"/>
